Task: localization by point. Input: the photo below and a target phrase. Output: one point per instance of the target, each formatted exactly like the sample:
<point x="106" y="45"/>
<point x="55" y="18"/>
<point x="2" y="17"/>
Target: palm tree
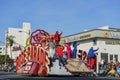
<point x="10" y="41"/>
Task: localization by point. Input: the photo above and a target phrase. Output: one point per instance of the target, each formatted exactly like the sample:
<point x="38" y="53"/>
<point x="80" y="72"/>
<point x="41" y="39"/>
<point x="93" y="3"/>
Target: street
<point x="14" y="76"/>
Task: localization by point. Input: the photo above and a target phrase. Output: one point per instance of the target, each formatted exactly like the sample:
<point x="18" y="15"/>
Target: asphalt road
<point x="14" y="76"/>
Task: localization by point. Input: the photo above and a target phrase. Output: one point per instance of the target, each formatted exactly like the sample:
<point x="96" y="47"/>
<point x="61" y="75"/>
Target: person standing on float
<point x="91" y="55"/>
<point x="75" y="49"/>
<point x="59" y="53"/>
<point x="52" y="48"/>
<point x="68" y="51"/>
<point x="51" y="51"/>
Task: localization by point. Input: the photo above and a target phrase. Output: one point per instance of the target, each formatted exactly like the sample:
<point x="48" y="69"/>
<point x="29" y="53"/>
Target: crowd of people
<point x="7" y="67"/>
<point x="109" y="69"/>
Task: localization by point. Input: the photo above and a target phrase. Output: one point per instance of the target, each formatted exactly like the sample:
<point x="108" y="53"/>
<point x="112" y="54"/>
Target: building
<point x="2" y="50"/>
<point x="105" y="38"/>
<point x="20" y="37"/>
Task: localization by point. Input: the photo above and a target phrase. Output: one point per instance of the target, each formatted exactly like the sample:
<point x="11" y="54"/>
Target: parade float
<point x="39" y="57"/>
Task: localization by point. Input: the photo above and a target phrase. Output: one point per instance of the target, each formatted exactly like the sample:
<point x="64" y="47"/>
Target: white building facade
<point x="20" y="37"/>
<point x="106" y="39"/>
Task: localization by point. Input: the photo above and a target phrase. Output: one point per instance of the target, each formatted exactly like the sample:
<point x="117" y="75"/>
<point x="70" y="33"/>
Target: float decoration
<point x="35" y="59"/>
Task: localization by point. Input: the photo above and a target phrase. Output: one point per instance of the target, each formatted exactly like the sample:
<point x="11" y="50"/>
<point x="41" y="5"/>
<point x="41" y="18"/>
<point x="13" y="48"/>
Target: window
<point x="104" y="56"/>
<point x="116" y="58"/>
<point x="94" y="42"/>
<point x="111" y="57"/>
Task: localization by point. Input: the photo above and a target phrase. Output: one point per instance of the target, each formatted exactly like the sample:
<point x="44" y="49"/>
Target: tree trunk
<point x="10" y="52"/>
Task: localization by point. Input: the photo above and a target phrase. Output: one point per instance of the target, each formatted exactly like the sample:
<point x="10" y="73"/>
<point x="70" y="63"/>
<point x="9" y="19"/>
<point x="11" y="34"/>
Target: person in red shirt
<point x="59" y="53"/>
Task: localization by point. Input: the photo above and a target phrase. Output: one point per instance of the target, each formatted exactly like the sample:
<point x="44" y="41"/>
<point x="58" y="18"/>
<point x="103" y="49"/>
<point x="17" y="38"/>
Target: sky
<point x="66" y="16"/>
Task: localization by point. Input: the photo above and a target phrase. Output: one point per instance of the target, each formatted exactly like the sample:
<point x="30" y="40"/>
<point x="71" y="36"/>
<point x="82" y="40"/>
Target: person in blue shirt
<point x="91" y="55"/>
<point x="75" y="49"/>
<point x="117" y="72"/>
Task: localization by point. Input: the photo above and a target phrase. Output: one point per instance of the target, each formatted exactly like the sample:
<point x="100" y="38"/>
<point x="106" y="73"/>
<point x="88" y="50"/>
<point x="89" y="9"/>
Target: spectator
<point x="102" y="63"/>
<point x="117" y="73"/>
<point x="102" y="71"/>
<point x="111" y="72"/>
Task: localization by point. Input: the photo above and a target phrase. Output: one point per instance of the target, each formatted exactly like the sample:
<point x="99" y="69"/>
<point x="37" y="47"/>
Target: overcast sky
<point x="67" y="16"/>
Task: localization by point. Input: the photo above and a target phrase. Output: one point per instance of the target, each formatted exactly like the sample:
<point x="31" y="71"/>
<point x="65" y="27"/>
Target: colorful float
<point x="40" y="57"/>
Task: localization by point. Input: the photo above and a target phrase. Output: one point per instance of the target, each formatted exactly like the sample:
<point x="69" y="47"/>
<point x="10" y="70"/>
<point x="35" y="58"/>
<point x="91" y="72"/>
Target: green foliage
<point x="10" y="40"/>
<point x="2" y="58"/>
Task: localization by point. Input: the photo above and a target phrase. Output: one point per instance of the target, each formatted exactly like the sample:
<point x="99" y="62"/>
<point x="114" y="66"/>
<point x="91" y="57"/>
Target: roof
<point x="102" y="29"/>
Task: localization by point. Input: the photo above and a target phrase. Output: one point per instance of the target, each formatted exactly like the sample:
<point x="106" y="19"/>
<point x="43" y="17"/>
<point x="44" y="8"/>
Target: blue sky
<point x="68" y="16"/>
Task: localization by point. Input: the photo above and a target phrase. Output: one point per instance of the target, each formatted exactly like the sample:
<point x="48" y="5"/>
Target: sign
<point x="112" y="42"/>
<point x="16" y="48"/>
<point x="114" y="35"/>
<point x="77" y="37"/>
<point x="72" y="38"/>
<point x="85" y="36"/>
<point x="111" y="34"/>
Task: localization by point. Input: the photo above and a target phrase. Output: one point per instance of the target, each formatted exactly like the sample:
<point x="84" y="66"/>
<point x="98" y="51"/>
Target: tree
<point x="2" y="59"/>
<point x="9" y="42"/>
